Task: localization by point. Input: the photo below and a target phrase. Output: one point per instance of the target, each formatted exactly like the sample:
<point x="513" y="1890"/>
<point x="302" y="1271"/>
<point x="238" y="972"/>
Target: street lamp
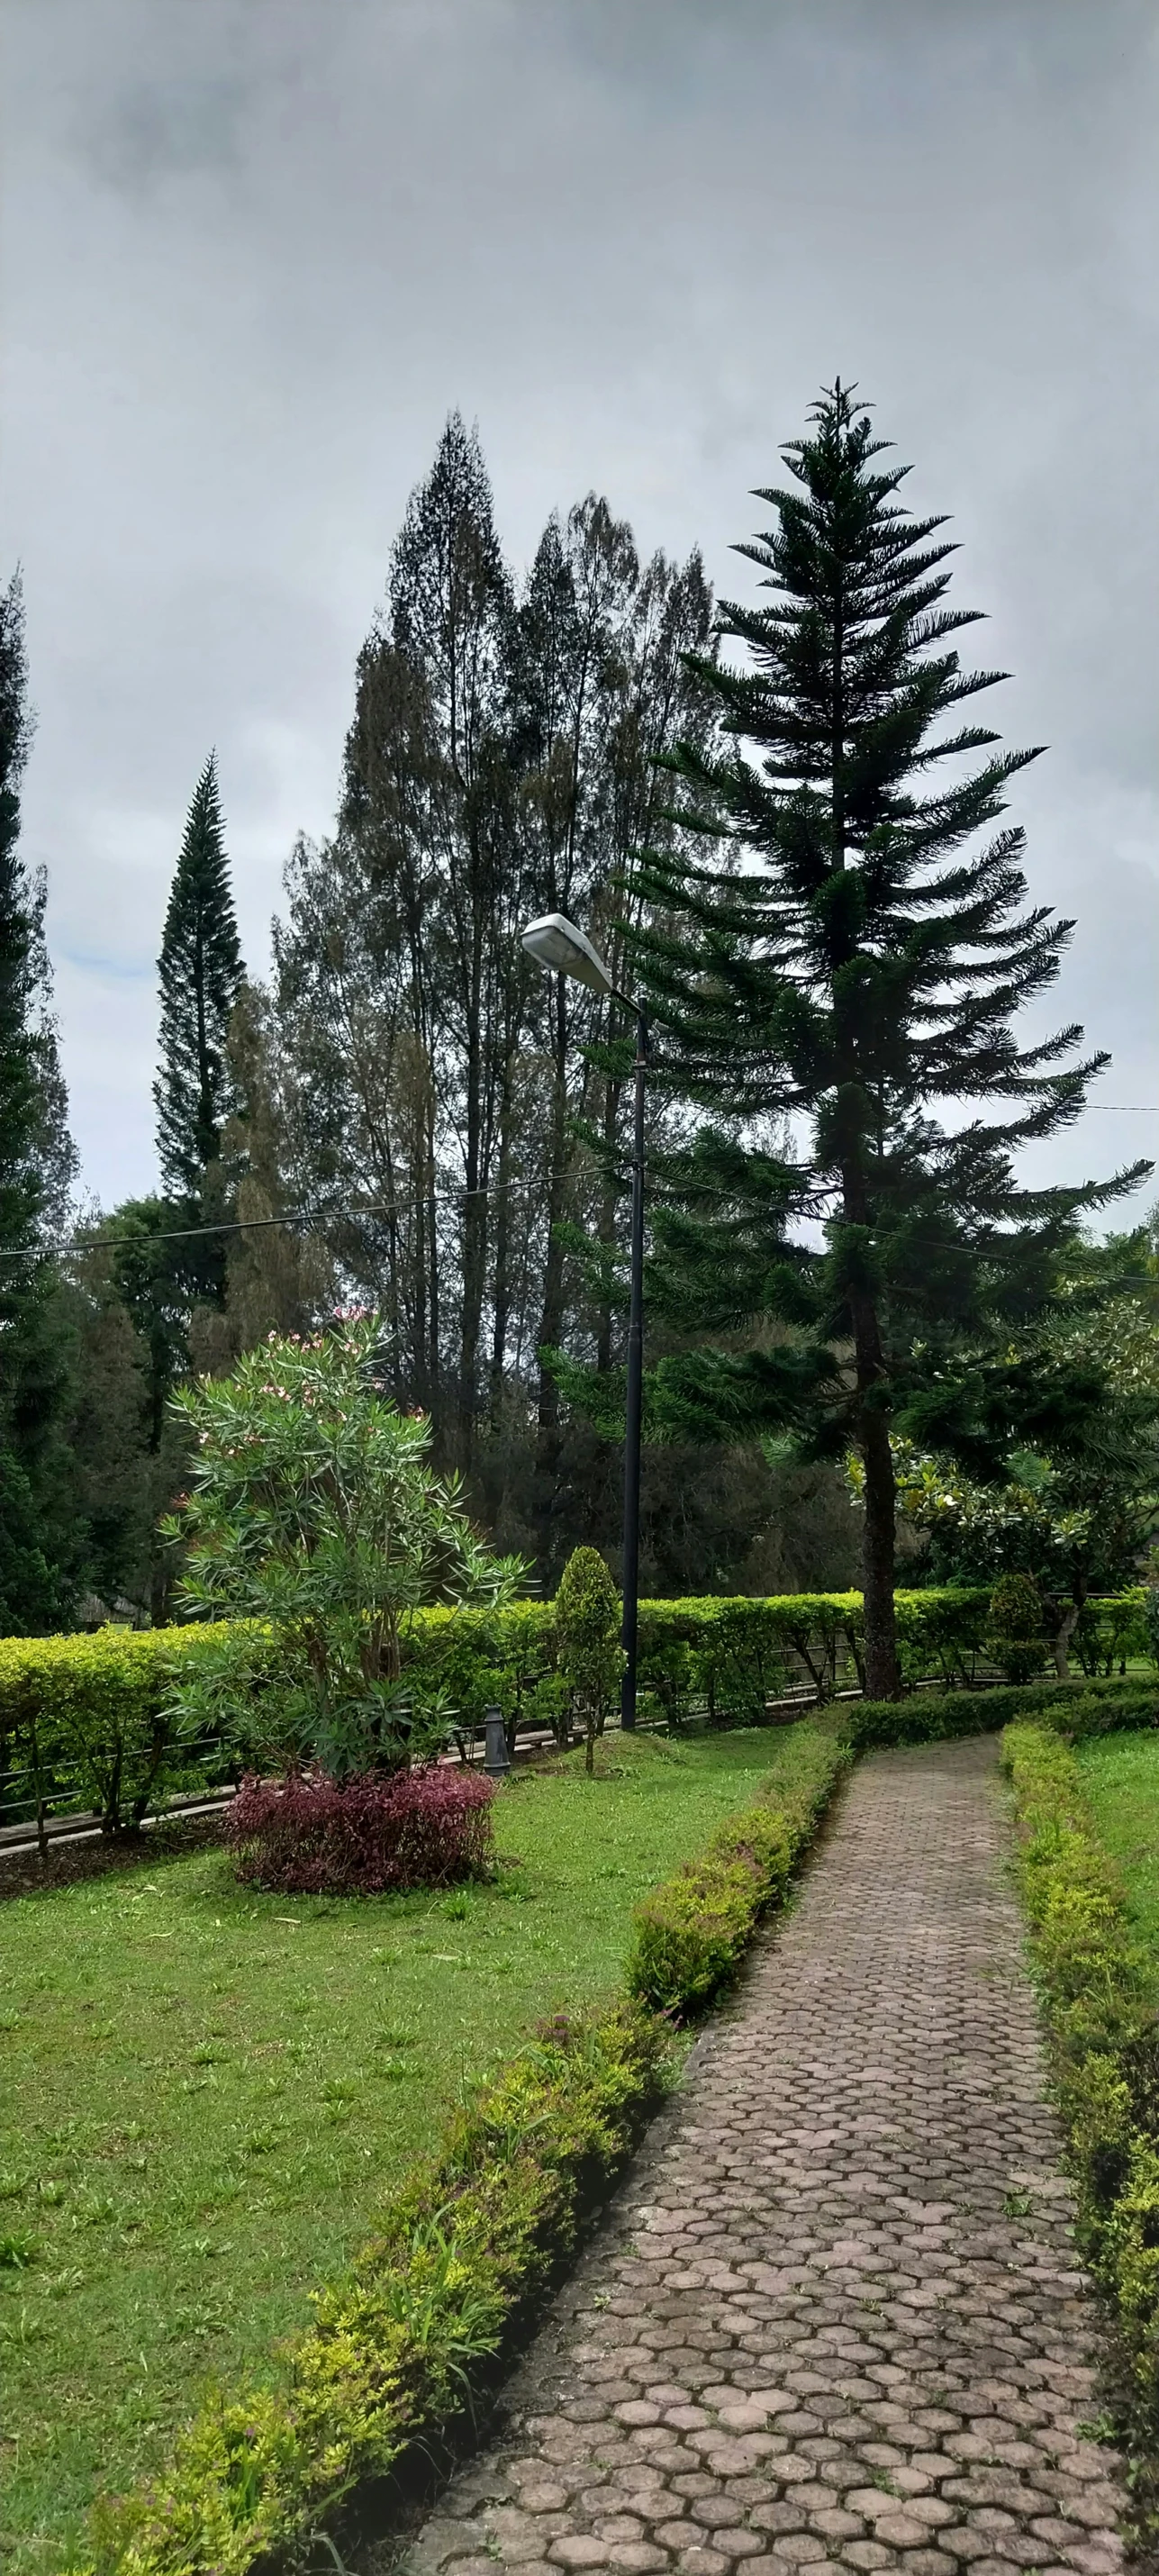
<point x="555" y="942"/>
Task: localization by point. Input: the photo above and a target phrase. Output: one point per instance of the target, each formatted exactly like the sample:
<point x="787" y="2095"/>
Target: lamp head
<point x="555" y="942"/>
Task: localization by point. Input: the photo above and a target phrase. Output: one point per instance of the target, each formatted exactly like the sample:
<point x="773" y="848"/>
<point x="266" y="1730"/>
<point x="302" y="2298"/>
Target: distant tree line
<point x="772" y="820"/>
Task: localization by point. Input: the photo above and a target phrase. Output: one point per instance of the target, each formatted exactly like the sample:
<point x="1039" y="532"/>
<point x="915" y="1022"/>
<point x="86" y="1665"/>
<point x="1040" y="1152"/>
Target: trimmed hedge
<point x="937" y="1717"/>
<point x="464" y="2249"/>
<point x="88" y="1721"/>
<point x="1097" y="1988"/>
<point x="691" y="1933"/>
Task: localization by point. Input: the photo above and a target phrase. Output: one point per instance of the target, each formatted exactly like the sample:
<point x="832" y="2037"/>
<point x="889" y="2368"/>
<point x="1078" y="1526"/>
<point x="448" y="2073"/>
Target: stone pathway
<point x="835" y="2312"/>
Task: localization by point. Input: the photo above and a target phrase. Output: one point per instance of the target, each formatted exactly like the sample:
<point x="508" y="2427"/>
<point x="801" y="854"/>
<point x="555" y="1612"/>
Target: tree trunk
<point x="882" y="1674"/>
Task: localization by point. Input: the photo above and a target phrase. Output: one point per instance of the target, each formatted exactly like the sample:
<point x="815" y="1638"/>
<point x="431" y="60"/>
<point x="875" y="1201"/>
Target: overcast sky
<point x="255" y="250"/>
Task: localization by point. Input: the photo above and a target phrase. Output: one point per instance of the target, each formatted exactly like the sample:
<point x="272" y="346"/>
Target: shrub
<point x="315" y="1512"/>
<point x="1105" y="2044"/>
<point x="1016" y="1627"/>
<point x="1149" y="1621"/>
<point x="937" y="1717"/>
<point x="585" y="1621"/>
<point x="691" y="1933"/>
<point x="95" y="1722"/>
<point x="421" y="1828"/>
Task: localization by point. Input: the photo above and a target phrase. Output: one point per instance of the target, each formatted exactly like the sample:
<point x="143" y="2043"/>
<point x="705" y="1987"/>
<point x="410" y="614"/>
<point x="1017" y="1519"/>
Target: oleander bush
<point x="691" y="1933"/>
<point x="310" y="1836"/>
<point x="315" y="1513"/>
<point x="1097" y="1990"/>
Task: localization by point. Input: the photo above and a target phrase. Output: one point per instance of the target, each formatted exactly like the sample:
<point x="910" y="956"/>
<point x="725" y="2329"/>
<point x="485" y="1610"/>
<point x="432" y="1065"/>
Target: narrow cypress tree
<point x="200" y="970"/>
<point x="844" y="962"/>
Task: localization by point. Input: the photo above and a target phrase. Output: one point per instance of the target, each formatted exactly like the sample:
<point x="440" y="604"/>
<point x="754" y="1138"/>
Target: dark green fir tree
<point x="200" y="971"/>
<point x="843" y="1244"/>
<point x="41" y="1542"/>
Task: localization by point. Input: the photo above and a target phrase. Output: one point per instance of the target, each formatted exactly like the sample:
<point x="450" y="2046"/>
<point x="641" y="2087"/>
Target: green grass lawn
<point x="204" y="2091"/>
<point x="1121" y="1781"/>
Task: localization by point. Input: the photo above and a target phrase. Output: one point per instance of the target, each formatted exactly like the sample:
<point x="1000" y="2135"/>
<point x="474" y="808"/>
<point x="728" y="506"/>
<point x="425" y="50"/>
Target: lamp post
<point x="556" y="943"/>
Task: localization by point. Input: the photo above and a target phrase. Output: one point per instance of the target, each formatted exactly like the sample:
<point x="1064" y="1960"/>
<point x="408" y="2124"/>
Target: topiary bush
<point x="1016" y="1628"/>
<point x="99" y="1722"/>
<point x="586" y="1627"/>
<point x="363" y="1837"/>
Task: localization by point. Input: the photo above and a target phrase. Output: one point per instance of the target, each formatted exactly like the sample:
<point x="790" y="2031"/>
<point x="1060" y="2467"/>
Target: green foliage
<point x="585" y="1621"/>
<point x="851" y="946"/>
<point x="200" y="970"/>
<point x="218" y="2090"/>
<point x="41" y="1550"/>
<point x="1151" y="1620"/>
<point x="1072" y="1708"/>
<point x="1098" y="1989"/>
<point x="315" y="1512"/>
<point x="100" y="1718"/>
<point x="692" y="1933"/>
<point x="1016" y="1627"/>
<point x="99" y="1721"/>
<point x="464" y="2246"/>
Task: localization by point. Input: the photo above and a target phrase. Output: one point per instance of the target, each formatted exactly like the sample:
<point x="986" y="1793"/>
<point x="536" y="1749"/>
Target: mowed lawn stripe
<point x="1120" y="1775"/>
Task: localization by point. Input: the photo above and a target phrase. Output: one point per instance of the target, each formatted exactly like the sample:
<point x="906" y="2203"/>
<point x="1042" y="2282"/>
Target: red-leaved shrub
<point x="309" y="1836"/>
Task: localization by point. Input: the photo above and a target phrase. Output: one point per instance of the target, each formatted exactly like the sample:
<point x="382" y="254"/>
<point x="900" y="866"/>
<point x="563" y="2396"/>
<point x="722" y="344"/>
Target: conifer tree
<point x="39" y="1542"/>
<point x="834" y="984"/>
<point x="200" y="970"/>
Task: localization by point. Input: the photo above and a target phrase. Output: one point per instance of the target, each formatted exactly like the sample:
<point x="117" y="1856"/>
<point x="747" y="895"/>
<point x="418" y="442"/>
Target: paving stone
<point x="810" y="2328"/>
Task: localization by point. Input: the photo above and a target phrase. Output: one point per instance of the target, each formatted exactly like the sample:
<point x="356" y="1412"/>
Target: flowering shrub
<point x="315" y="1514"/>
<point x="312" y="1836"/>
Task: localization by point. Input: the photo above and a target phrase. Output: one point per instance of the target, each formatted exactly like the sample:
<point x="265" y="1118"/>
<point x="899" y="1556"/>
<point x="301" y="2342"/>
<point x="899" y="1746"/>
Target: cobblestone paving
<point x="835" y="2313"/>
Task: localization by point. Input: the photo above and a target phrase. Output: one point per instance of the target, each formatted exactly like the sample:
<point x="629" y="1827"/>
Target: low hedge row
<point x="1105" y="2043"/>
<point x="1076" y="1707"/>
<point x="89" y="1721"/>
<point x="398" y="2347"/>
<point x="691" y="1933"/>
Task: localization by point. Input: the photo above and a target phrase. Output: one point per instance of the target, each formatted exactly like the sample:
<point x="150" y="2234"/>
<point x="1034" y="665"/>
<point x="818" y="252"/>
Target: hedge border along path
<point x="835" y="2314"/>
<point x="468" y="2242"/>
<point x="1097" y="1990"/>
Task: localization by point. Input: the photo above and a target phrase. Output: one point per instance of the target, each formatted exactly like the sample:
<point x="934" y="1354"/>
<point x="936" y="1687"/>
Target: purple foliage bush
<point x="311" y="1836"/>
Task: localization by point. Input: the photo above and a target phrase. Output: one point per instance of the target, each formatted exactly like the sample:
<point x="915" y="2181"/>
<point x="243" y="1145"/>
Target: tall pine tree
<point x="835" y="984"/>
<point x="200" y="970"/>
<point x="40" y="1544"/>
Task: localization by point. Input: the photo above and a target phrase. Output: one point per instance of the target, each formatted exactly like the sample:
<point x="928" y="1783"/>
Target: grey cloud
<point x="257" y="249"/>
